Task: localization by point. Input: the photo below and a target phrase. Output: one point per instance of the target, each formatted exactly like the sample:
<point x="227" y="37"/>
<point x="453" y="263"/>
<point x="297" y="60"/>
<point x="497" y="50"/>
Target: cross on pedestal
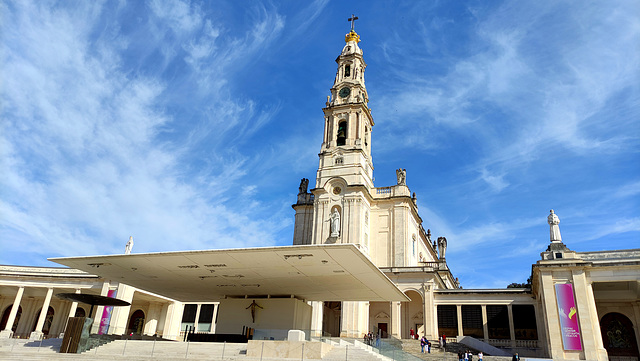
<point x="352" y="19"/>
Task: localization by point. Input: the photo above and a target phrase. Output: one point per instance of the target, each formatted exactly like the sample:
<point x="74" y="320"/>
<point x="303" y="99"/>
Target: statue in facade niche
<point x="402" y="176"/>
<point x="554" y="228"/>
<point x="304" y="184"/>
<point x="335" y="223"/>
<point x="128" y="246"/>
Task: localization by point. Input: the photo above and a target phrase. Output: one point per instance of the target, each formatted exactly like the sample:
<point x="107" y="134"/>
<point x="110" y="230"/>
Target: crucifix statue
<point x="353" y="19"/>
<point x="253" y="306"/>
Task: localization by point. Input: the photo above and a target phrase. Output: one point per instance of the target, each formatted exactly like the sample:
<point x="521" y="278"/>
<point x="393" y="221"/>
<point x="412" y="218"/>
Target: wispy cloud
<point x="95" y="131"/>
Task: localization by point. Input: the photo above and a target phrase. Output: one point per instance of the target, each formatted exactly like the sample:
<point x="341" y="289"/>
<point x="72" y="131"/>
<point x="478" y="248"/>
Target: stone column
<point x="316" y="318"/>
<point x="592" y="345"/>
<point x="153" y="314"/>
<point x="551" y="317"/>
<point x="74" y="306"/>
<point x="485" y="323"/>
<point x="355" y="319"/>
<point x="173" y="320"/>
<point x="37" y="334"/>
<point x="72" y="313"/>
<point x="217" y="307"/>
<point x="99" y="309"/>
<point x="195" y="322"/>
<point x="459" y="317"/>
<point x="7" y="332"/>
<point x="430" y="322"/>
<point x="396" y="324"/>
<point x="512" y="332"/>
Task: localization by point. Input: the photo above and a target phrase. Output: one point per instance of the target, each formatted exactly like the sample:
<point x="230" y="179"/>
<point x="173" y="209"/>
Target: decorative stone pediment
<point x="418" y="316"/>
<point x="382" y="315"/>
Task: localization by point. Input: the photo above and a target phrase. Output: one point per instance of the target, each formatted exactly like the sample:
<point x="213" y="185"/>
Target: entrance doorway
<point x="382" y="327"/>
<point x="618" y="337"/>
<point x="331" y="317"/>
<point x="136" y="323"/>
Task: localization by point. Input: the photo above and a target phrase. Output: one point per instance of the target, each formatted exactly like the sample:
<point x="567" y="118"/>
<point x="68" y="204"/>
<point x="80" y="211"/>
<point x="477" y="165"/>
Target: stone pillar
<point x="153" y="314"/>
<point x="7" y="332"/>
<point x="195" y="322"/>
<point x="396" y="324"/>
<point x="551" y="317"/>
<point x="430" y="321"/>
<point x="74" y="306"/>
<point x="120" y="315"/>
<point x="316" y="318"/>
<point x="512" y="330"/>
<point x="592" y="344"/>
<point x="100" y="309"/>
<point x="173" y="321"/>
<point x="459" y="316"/>
<point x="485" y="323"/>
<point x="217" y="307"/>
<point x="355" y="319"/>
<point x="37" y="334"/>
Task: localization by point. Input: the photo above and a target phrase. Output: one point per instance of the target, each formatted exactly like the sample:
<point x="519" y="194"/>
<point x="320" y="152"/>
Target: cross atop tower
<point x="352" y="19"/>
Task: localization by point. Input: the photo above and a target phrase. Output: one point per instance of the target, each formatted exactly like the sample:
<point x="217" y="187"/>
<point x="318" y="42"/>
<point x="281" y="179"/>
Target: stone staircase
<point x="343" y="349"/>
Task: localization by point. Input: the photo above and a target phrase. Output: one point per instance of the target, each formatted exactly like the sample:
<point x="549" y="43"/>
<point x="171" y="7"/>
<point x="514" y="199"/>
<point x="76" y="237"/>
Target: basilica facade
<point x="579" y="306"/>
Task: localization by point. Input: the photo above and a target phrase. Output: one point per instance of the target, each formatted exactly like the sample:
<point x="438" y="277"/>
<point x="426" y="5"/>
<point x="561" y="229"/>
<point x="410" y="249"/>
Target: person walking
<point x="480" y="356"/>
<point x="444" y="341"/>
<point x="428" y="345"/>
<point x="412" y="333"/>
<point x="423" y="343"/>
<point x="515" y="357"/>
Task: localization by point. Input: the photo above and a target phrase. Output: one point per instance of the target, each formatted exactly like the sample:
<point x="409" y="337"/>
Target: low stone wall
<point x="288" y="349"/>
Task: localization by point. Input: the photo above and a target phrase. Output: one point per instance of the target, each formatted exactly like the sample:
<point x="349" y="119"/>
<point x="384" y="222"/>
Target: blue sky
<point x="188" y="125"/>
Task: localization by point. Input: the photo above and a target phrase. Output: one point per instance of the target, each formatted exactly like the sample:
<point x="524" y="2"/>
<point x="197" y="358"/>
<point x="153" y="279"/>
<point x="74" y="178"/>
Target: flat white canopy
<point x="339" y="272"/>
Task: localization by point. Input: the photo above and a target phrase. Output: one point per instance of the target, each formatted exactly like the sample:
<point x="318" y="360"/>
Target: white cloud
<point x="85" y="167"/>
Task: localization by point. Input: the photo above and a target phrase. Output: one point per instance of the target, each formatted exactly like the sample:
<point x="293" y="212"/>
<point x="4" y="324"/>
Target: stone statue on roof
<point x="128" y="246"/>
<point x="402" y="176"/>
<point x="554" y="228"/>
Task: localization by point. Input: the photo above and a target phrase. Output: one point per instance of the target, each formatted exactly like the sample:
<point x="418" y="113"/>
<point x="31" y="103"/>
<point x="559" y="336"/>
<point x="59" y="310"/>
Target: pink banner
<point x="568" y="317"/>
<point x="106" y="315"/>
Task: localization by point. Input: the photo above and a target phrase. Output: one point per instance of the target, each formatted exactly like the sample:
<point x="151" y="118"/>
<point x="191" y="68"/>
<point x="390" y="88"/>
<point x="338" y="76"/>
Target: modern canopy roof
<point x="339" y="272"/>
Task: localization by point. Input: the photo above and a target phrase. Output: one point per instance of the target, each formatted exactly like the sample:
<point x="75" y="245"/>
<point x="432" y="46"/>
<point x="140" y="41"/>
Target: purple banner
<point x="106" y="315"/>
<point x="568" y="317"/>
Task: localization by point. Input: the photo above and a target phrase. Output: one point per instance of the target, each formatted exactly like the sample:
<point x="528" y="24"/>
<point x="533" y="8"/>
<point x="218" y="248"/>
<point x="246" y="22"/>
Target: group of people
<point x="369" y="339"/>
<point x="424" y="343"/>
<point x="468" y="356"/>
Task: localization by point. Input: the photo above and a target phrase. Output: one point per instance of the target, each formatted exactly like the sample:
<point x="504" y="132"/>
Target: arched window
<point x="47" y="321"/>
<point x="342" y="133"/>
<point x="80" y="312"/>
<point x="347" y="70"/>
<point x="366" y="136"/>
<point x="5" y="318"/>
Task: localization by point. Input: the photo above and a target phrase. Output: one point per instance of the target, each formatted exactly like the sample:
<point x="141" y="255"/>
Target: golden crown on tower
<point x="352" y="36"/>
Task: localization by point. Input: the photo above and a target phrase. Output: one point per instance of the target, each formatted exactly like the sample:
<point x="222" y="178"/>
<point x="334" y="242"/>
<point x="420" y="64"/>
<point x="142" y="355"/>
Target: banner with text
<point x="568" y="317"/>
<point x="106" y="315"/>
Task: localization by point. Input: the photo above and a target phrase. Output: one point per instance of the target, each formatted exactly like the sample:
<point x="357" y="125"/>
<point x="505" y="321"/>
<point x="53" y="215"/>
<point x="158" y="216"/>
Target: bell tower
<point x="346" y="146"/>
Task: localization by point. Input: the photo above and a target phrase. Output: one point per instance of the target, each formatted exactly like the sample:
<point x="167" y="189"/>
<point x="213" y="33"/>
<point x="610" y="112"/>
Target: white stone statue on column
<point x="554" y="228"/>
<point x="335" y="223"/>
<point x="129" y="246"/>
